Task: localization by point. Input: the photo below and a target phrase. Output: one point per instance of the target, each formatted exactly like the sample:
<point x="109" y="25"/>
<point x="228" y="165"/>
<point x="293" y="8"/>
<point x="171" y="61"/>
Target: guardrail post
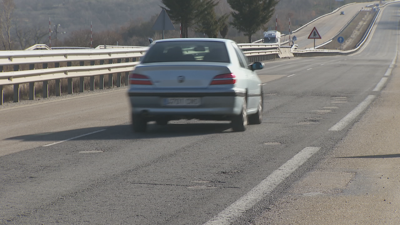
<point x="1" y="95"/>
<point x="32" y="91"/>
<point x="16" y="86"/>
<point x="110" y="81"/>
<point x="70" y="86"/>
<point x="45" y="89"/>
<point x="58" y="87"/>
<point x="81" y="84"/>
<point x="92" y="83"/>
<point x="16" y="92"/>
<point x="127" y="78"/>
<point x="118" y="84"/>
<point x="58" y="81"/>
<point x="101" y="82"/>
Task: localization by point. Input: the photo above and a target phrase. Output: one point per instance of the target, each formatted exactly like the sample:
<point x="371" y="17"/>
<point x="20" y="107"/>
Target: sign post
<point x="314" y="35"/>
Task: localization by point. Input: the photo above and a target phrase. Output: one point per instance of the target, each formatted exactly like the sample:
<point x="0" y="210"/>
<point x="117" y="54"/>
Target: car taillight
<point x="224" y="79"/>
<point x="139" y="79"/>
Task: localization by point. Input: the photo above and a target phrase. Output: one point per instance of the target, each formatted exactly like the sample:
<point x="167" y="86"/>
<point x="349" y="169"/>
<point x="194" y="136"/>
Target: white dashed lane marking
<point x="73" y="138"/>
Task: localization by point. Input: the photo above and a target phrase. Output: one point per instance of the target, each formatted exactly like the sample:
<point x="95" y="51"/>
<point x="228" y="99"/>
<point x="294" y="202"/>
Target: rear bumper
<point x="232" y="93"/>
<point x="218" y="106"/>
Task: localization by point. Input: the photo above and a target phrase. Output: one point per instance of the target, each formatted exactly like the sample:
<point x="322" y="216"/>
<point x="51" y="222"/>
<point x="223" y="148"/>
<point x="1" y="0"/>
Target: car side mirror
<point x="257" y="66"/>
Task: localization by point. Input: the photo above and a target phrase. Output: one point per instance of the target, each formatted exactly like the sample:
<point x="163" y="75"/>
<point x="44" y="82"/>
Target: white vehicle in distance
<point x="272" y="37"/>
<point x="195" y="78"/>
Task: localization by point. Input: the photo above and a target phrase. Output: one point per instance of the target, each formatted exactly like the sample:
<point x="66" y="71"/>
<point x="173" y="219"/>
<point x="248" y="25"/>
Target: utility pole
<point x="57" y="30"/>
<point x="49" y="33"/>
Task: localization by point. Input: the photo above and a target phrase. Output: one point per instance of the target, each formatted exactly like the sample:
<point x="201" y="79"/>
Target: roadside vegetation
<point x="129" y="22"/>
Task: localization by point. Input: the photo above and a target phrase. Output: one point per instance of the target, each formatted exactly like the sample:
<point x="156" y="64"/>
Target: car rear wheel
<point x="139" y="124"/>
<point x="257" y="118"/>
<point x="239" y="122"/>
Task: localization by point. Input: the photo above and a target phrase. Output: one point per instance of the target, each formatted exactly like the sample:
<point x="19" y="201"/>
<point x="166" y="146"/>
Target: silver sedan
<point x="192" y="78"/>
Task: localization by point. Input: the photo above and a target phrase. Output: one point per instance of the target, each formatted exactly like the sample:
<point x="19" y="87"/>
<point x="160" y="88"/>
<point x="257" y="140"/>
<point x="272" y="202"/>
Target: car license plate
<point x="182" y="101"/>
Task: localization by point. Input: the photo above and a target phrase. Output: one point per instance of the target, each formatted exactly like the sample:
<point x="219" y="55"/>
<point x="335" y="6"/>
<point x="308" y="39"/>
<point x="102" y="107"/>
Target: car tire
<point x="162" y="122"/>
<point x="139" y="124"/>
<point x="240" y="121"/>
<point x="257" y="117"/>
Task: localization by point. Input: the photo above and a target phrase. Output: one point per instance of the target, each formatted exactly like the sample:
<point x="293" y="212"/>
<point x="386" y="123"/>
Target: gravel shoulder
<point x="358" y="182"/>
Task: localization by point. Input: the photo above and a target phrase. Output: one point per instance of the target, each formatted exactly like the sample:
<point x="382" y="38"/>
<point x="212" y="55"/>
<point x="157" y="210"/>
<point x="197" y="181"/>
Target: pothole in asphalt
<point x="230" y="172"/>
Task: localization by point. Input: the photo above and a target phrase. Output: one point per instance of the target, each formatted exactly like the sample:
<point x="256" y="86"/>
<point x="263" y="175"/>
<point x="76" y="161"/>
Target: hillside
<point x="77" y="14"/>
<point x="109" y="15"/>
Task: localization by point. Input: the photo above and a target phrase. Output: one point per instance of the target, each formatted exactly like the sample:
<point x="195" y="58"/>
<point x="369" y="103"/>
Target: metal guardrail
<point x="19" y="67"/>
<point x="28" y="67"/>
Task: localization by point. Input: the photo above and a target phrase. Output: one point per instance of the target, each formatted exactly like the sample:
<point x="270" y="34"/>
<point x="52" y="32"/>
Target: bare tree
<point x="6" y="12"/>
<point x="26" y="35"/>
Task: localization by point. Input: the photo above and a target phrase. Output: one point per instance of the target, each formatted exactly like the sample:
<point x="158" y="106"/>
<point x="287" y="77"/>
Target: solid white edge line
<point x="381" y="84"/>
<point x="388" y="72"/>
<point x="353" y="114"/>
<point x="83" y="135"/>
<point x="263" y="189"/>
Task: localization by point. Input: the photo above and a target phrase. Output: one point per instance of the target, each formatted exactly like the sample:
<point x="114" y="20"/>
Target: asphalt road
<point x="74" y="160"/>
<point x="329" y="26"/>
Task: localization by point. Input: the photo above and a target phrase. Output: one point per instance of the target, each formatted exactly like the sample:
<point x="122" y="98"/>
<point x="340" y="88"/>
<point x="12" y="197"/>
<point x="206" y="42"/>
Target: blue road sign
<point x="294" y="38"/>
<point x="340" y="40"/>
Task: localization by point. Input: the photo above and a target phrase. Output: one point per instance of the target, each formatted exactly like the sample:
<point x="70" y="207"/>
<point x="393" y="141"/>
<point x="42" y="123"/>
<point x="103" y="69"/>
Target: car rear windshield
<point x="187" y="51"/>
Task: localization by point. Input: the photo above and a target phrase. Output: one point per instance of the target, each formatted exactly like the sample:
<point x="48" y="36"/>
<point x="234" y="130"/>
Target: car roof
<point x="194" y="39"/>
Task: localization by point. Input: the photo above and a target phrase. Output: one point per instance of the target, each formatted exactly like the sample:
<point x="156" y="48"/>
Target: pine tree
<point x="209" y="24"/>
<point x="186" y="12"/>
<point x="250" y="15"/>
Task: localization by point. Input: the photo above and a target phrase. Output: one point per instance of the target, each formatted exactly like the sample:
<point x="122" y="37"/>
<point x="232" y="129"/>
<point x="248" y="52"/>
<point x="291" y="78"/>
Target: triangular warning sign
<point x="163" y="22"/>
<point x="314" y="34"/>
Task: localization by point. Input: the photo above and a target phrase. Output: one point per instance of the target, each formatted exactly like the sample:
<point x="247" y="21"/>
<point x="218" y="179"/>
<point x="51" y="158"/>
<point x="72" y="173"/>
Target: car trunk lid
<point x="184" y="75"/>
